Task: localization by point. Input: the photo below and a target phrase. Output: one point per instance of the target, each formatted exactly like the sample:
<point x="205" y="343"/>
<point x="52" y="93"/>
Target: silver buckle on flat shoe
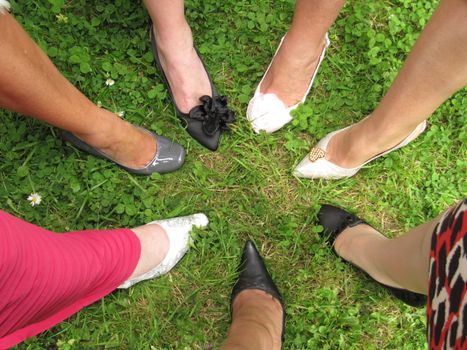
<point x="315" y="154"/>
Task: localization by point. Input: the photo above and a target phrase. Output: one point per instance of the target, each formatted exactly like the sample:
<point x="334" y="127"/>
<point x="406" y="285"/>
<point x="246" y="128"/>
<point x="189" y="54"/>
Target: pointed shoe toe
<point x="211" y="143"/>
<point x="315" y="165"/>
<point x="321" y="169"/>
<point x="253" y="274"/>
<point x="195" y="129"/>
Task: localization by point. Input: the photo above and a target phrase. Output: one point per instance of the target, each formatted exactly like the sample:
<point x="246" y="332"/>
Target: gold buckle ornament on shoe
<point x="315" y="154"/>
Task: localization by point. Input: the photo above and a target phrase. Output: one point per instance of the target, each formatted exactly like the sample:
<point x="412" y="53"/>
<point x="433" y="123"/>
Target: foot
<point x="352" y="147"/>
<point x="291" y="71"/>
<point x="342" y="153"/>
<point x="261" y="311"/>
<point x="357" y="144"/>
<point x="183" y="68"/>
<point x="350" y="244"/>
<point x="357" y="242"/>
<point x="123" y="142"/>
<point x="163" y="245"/>
<point x="154" y="248"/>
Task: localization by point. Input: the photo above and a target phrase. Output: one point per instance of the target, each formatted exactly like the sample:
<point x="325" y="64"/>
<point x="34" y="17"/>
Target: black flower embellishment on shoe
<point x="214" y="114"/>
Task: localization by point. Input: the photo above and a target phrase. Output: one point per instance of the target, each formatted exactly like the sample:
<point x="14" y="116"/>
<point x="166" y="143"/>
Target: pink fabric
<point x="46" y="277"/>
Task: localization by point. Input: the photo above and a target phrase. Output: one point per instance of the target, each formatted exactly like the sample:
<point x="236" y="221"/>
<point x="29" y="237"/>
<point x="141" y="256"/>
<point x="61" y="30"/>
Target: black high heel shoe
<point x="206" y="121"/>
<point x="335" y="220"/>
<point x="254" y="275"/>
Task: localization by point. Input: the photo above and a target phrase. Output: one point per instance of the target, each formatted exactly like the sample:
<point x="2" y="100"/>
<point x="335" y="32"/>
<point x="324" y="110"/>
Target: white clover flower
<point x="34" y="199"/>
<point x="109" y="82"/>
<point x="120" y="114"/>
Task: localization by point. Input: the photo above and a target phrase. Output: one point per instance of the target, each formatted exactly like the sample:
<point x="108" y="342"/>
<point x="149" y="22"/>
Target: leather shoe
<point x="254" y="275"/>
<point x="335" y="220"/>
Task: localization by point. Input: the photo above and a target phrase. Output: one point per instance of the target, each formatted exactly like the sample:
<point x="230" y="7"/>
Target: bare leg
<point x="30" y="84"/>
<point x="293" y="67"/>
<point x="401" y="262"/>
<point x="182" y="66"/>
<point x="256" y="322"/>
<point x="435" y="69"/>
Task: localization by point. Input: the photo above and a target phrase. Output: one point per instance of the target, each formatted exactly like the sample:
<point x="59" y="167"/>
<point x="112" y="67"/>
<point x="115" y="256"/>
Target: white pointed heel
<point x="178" y="231"/>
<point x="315" y="165"/>
<point x="266" y="112"/>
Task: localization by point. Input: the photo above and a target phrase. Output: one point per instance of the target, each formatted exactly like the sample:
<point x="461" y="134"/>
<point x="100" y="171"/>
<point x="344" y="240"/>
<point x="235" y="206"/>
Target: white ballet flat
<point x="315" y="165"/>
<point x="266" y="112"/>
<point x="178" y="231"/>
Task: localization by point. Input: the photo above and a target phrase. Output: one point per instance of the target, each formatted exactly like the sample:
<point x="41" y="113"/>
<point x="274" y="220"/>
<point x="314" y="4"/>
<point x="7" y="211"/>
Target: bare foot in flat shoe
<point x="291" y="72"/>
<point x="123" y="142"/>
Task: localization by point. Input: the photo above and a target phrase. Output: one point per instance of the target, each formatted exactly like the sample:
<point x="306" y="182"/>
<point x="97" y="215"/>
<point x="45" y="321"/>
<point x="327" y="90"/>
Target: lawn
<point x="246" y="188"/>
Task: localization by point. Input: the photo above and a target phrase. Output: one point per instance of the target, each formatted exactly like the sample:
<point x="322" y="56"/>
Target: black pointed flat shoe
<point x="254" y="275"/>
<point x="204" y="122"/>
<point x="335" y="220"/>
<point x="169" y="155"/>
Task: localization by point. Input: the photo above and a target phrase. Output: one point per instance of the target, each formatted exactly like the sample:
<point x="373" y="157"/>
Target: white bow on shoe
<point x="315" y="165"/>
<point x="267" y="112"/>
<point x="178" y="231"/>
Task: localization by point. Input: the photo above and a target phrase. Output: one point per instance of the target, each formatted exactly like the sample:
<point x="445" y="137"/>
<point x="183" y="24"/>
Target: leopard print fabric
<point x="447" y="309"/>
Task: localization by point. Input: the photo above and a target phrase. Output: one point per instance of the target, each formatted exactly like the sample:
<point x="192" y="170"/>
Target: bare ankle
<point x="352" y="147"/>
<point x="309" y="51"/>
<point x="120" y="140"/>
<point x="103" y="133"/>
<point x="154" y="247"/>
<point x="176" y="42"/>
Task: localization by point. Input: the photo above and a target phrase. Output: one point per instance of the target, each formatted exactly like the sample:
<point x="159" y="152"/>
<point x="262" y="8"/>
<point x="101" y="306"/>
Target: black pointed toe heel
<point x="335" y="220"/>
<point x="254" y="275"/>
<point x="204" y="122"/>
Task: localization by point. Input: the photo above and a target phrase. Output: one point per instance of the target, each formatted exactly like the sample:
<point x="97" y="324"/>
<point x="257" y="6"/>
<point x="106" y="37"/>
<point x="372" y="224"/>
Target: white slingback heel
<point x="266" y="112"/>
<point x="315" y="165"/>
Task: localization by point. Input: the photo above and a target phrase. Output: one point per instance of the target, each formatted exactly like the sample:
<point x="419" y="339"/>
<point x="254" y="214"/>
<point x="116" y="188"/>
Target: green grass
<point x="246" y="188"/>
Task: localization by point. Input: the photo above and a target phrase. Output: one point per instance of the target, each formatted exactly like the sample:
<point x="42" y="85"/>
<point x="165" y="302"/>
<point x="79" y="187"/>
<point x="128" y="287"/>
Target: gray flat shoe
<point x="169" y="156"/>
